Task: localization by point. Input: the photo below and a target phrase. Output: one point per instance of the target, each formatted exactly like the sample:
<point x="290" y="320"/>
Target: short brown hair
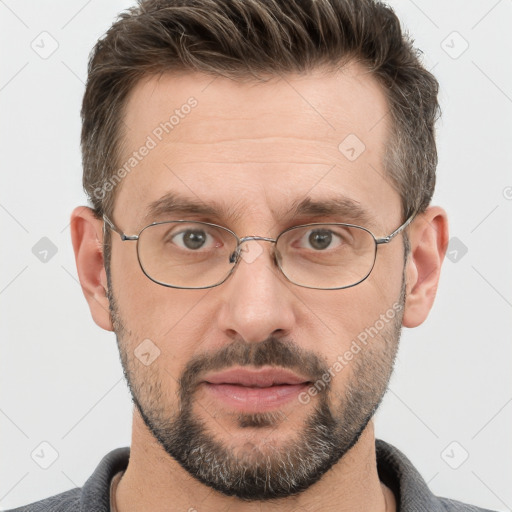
<point x="252" y="39"/>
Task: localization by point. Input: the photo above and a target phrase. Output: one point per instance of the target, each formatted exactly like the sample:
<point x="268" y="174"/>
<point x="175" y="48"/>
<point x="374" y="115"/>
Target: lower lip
<point x="250" y="399"/>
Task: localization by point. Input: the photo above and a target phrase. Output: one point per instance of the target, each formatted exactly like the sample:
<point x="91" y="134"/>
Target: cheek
<point x="345" y="315"/>
<point x="174" y="320"/>
<point x="363" y="361"/>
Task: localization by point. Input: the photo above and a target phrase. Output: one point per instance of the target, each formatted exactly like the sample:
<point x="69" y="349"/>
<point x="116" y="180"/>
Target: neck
<point x="155" y="481"/>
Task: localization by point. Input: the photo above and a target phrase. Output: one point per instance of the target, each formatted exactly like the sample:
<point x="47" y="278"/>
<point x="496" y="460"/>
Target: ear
<point x="428" y="236"/>
<point x="87" y="238"/>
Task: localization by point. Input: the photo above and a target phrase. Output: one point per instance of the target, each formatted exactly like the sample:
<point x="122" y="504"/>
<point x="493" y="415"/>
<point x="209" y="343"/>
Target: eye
<point x="194" y="239"/>
<point x="320" y="239"/>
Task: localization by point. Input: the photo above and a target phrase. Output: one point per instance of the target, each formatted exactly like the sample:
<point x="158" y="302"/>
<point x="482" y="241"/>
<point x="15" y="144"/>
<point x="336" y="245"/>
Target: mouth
<point x="253" y="391"/>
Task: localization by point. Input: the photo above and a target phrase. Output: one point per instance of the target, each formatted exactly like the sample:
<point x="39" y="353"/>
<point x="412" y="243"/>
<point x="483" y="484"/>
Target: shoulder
<point x="456" y="506"/>
<point x="94" y="496"/>
<point x="68" y="501"/>
<point x="411" y="491"/>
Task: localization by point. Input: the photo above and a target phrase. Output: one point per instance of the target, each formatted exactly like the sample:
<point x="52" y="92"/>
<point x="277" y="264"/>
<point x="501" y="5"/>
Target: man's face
<point x="252" y="152"/>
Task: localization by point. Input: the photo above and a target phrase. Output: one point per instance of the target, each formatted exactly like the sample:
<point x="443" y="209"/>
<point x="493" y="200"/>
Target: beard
<point x="263" y="471"/>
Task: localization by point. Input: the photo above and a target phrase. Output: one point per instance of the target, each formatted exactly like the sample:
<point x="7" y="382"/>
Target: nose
<point x="256" y="299"/>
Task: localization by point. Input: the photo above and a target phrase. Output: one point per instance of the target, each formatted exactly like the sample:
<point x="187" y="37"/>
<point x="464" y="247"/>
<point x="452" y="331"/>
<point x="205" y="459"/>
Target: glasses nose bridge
<point x="255" y="239"/>
<point x="262" y="238"/>
<point x="235" y="257"/>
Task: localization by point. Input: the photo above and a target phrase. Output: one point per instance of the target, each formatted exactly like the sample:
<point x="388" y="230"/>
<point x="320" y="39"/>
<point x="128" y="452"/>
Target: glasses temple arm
<point x="113" y="227"/>
<point x="386" y="239"/>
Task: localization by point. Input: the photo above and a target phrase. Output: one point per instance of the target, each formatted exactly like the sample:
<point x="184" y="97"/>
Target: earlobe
<point x="428" y="236"/>
<point x="87" y="238"/>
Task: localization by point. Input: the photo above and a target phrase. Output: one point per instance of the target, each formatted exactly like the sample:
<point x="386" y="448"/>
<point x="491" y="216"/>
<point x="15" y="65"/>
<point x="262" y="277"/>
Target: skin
<point x="258" y="148"/>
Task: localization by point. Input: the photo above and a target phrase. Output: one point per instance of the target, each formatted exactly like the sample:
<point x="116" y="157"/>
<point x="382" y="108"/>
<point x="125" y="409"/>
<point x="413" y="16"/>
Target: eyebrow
<point x="337" y="209"/>
<point x="173" y="203"/>
<point x="343" y="208"/>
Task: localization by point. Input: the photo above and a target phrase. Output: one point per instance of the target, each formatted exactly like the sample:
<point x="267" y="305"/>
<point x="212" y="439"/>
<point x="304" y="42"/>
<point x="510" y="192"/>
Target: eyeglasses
<point x="196" y="255"/>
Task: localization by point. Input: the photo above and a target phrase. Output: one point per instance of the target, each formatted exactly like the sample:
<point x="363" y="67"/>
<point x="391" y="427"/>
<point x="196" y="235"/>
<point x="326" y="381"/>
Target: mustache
<point x="270" y="352"/>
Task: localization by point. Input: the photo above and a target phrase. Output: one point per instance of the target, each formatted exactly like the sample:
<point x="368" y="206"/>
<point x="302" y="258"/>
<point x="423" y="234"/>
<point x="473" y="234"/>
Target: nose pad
<point x="235" y="256"/>
<point x="250" y="250"/>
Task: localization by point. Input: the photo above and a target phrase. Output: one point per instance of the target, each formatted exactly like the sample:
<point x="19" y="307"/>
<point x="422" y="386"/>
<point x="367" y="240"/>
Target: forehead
<point x="255" y="147"/>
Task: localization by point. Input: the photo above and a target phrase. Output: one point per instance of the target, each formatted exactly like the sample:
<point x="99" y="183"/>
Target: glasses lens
<point x="186" y="254"/>
<point x="326" y="256"/>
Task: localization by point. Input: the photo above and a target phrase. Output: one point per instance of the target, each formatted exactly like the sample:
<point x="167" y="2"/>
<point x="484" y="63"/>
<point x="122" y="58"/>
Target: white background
<point x="60" y="377"/>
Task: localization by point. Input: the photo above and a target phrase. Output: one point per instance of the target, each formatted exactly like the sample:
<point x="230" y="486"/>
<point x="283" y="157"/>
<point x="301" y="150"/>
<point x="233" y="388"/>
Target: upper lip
<point x="262" y="378"/>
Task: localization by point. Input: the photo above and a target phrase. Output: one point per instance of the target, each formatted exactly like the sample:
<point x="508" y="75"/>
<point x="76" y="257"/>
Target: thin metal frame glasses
<point x="348" y="264"/>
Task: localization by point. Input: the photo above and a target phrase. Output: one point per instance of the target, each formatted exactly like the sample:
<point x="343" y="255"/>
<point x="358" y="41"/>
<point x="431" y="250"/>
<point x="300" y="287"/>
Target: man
<point x="260" y="175"/>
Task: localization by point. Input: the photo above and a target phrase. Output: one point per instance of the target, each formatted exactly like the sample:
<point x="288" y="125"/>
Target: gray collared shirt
<point x="395" y="471"/>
